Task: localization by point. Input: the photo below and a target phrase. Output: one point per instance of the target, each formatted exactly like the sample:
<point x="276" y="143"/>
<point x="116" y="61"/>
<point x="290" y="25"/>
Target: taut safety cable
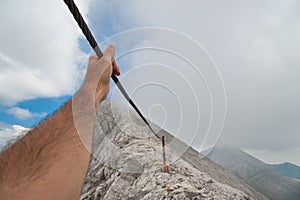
<point x="88" y="35"/>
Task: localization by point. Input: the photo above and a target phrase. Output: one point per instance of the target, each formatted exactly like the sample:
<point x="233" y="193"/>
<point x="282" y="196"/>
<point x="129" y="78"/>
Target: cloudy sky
<point x="252" y="48"/>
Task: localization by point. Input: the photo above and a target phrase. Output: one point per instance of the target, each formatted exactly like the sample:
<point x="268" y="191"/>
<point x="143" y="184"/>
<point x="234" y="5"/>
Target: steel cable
<point x="86" y="31"/>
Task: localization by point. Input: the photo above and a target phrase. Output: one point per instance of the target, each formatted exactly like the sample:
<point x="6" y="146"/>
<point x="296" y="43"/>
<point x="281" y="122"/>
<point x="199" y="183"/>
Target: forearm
<point x="51" y="159"/>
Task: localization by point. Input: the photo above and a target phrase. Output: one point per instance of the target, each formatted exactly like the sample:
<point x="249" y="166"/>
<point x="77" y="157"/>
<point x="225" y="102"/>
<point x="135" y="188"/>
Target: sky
<point x="245" y="93"/>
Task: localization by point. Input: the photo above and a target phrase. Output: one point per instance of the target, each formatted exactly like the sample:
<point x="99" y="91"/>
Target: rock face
<point x="127" y="160"/>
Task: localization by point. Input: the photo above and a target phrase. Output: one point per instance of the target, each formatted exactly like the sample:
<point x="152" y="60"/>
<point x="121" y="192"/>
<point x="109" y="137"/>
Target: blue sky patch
<point x="40" y="106"/>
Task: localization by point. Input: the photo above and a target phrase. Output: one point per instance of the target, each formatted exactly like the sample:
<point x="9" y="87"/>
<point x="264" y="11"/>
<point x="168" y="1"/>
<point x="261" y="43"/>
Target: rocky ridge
<point x="127" y="160"/>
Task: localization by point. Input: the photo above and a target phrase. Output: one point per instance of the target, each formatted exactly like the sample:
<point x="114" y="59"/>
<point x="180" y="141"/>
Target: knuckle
<point x="106" y="59"/>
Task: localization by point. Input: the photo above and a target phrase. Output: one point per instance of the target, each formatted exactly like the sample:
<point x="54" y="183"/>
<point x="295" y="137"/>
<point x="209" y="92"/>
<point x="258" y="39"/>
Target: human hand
<point x="98" y="74"/>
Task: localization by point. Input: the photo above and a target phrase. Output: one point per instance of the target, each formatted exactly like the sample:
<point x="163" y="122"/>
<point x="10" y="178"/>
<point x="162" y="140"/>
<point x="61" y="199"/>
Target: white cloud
<point x="10" y="132"/>
<point x="39" y="49"/>
<point x="22" y="114"/>
<point x="254" y="46"/>
<point x="277" y="156"/>
<point x="19" y="113"/>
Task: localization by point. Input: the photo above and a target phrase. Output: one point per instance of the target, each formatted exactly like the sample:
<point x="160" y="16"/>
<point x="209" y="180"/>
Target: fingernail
<point x="117" y="72"/>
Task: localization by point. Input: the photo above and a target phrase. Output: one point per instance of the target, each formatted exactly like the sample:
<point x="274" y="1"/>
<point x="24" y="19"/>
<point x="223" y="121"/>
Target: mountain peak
<point x="126" y="164"/>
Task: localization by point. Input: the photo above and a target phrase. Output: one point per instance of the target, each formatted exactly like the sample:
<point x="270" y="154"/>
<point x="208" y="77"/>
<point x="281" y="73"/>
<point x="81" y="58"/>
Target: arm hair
<point x="35" y="156"/>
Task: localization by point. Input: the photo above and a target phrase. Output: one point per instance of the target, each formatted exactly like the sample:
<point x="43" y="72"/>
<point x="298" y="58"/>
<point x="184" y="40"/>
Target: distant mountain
<point x="256" y="173"/>
<point x="288" y="169"/>
<point x="127" y="162"/>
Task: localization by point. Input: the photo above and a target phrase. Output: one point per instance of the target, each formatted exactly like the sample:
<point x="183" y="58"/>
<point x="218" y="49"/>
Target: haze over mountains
<point x="127" y="162"/>
<point x="288" y="169"/>
<point x="262" y="177"/>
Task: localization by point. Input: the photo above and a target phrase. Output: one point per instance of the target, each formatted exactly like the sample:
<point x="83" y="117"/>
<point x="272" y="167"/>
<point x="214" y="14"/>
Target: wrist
<point x="96" y="94"/>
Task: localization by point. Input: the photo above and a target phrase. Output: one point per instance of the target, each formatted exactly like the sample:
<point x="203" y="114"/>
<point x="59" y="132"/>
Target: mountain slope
<point x="287" y="169"/>
<point x="127" y="164"/>
<point x="256" y="173"/>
